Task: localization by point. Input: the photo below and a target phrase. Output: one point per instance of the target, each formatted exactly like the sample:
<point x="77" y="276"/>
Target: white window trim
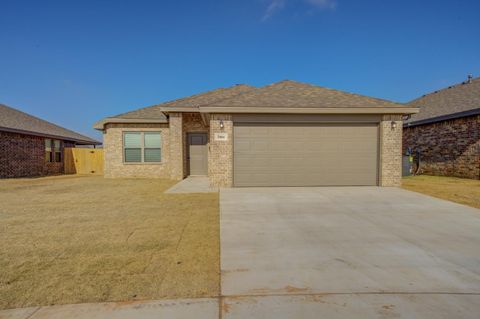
<point x="142" y="148"/>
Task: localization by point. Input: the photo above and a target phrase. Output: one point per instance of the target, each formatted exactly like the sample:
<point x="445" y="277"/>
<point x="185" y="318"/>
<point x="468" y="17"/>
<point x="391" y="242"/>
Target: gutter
<point x="206" y="110"/>
<point x="179" y="109"/>
<point x="310" y="110"/>
<point x="101" y="124"/>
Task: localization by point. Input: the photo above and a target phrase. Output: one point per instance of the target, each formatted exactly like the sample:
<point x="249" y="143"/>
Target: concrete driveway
<point x="347" y="252"/>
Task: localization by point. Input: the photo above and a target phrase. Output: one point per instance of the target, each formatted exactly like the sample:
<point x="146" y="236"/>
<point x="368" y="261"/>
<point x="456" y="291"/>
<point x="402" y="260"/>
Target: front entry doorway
<point x="197" y="153"/>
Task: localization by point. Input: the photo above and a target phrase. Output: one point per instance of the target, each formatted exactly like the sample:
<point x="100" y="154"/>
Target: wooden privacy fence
<point x="83" y="161"/>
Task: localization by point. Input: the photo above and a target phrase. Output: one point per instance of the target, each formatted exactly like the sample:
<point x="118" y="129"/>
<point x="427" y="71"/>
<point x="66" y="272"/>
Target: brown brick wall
<point x="220" y="155"/>
<point x="176" y="146"/>
<point x="221" y="152"/>
<point x="113" y="152"/>
<point x="390" y="151"/>
<point x="449" y="148"/>
<point x="24" y="156"/>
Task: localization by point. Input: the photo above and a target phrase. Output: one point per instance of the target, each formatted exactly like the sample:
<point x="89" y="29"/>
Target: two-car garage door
<point x="279" y="154"/>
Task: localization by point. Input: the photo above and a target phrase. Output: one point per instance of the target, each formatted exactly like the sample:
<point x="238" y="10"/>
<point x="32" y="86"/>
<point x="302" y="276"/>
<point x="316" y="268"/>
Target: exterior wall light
<point x="394" y="125"/>
<point x="221" y="124"/>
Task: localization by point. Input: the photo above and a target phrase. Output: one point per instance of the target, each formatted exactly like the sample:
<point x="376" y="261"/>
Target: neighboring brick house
<point x="446" y="131"/>
<point x="32" y="147"/>
<point x="284" y="134"/>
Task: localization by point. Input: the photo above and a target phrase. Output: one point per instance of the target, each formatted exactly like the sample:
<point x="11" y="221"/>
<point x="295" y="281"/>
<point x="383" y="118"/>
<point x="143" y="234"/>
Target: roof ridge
<point x="354" y="94"/>
<point x="324" y="88"/>
<point x="458" y="98"/>
<point x="183" y="98"/>
<point x="456" y="85"/>
<point x="240" y="93"/>
<point x="296" y="94"/>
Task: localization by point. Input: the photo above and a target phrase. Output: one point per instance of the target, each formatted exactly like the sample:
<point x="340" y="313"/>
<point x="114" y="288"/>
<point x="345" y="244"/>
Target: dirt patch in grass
<point x="459" y="190"/>
<point x="74" y="239"/>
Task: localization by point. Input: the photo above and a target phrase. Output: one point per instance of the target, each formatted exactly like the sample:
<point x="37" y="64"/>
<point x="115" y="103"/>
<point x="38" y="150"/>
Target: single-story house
<point x="444" y="136"/>
<point x="31" y="147"/>
<point x="284" y="134"/>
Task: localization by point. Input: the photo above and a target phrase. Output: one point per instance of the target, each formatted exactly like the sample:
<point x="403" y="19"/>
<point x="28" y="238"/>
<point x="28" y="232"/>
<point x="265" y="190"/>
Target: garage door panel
<point x="268" y="163"/>
<point x="305" y="155"/>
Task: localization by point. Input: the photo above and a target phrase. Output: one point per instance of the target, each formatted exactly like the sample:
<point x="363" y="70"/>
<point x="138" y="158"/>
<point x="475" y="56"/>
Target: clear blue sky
<point x="74" y="62"/>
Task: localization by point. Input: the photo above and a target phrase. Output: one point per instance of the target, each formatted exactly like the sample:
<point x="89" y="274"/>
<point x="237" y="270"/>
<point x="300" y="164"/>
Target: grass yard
<point x="72" y="239"/>
<point x="460" y="190"/>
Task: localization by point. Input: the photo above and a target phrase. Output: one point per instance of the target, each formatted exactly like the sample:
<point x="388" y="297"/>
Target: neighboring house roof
<point x="456" y="101"/>
<point x="294" y="94"/>
<point x="282" y="97"/>
<point x="13" y="120"/>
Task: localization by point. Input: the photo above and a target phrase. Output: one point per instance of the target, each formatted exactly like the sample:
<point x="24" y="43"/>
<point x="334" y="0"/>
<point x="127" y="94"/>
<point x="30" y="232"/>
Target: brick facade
<point x="176" y="146"/>
<point x="24" y="156"/>
<point x="220" y="156"/>
<point x="113" y="151"/>
<point x="448" y="148"/>
<point x="220" y="152"/>
<point x="174" y="163"/>
<point x="390" y="162"/>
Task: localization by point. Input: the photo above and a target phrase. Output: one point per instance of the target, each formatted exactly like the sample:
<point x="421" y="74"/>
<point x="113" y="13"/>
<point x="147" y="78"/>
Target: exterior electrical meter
<point x="407" y="163"/>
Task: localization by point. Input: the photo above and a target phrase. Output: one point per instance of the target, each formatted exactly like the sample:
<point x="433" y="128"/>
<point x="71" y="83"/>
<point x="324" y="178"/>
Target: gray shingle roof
<point x="17" y="121"/>
<point x="457" y="98"/>
<point x="155" y="112"/>
<point x="287" y="94"/>
<point x="293" y="94"/>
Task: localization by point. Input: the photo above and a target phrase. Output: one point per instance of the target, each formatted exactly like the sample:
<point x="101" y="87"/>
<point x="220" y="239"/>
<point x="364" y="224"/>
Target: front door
<point x="197" y="153"/>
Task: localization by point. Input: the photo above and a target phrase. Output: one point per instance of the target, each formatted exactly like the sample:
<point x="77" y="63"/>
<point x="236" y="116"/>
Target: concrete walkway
<point x="178" y="309"/>
<point x="192" y="184"/>
<point x="332" y="306"/>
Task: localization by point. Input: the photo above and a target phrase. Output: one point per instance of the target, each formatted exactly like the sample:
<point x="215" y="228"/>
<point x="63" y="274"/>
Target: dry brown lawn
<point x="459" y="190"/>
<point x="73" y="239"/>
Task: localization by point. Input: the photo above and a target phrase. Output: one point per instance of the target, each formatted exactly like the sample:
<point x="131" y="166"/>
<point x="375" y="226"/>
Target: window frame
<point x="125" y="148"/>
<point x="56" y="151"/>
<point x="53" y="151"/>
<point x="145" y="148"/>
<point x="142" y="148"/>
<point x="48" y="150"/>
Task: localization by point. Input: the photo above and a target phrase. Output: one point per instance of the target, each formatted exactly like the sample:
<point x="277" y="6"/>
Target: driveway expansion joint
<point x="33" y="313"/>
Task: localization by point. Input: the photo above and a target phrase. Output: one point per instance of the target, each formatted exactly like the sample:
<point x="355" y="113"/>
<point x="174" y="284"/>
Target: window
<point x="152" y="147"/>
<point x="57" y="151"/>
<point x="132" y="142"/>
<point x="142" y="147"/>
<point x="53" y="150"/>
<point x="48" y="150"/>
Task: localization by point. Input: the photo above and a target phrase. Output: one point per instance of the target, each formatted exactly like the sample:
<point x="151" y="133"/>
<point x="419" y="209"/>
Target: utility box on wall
<point x="407" y="165"/>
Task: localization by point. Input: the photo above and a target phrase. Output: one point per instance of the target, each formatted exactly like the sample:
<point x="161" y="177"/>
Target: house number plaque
<point x="221" y="136"/>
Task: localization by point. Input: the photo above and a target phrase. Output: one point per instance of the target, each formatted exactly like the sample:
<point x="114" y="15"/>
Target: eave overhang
<point x="180" y="109"/>
<point x="206" y="110"/>
<point x="53" y="136"/>
<point x="100" y="125"/>
<point x="443" y="118"/>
